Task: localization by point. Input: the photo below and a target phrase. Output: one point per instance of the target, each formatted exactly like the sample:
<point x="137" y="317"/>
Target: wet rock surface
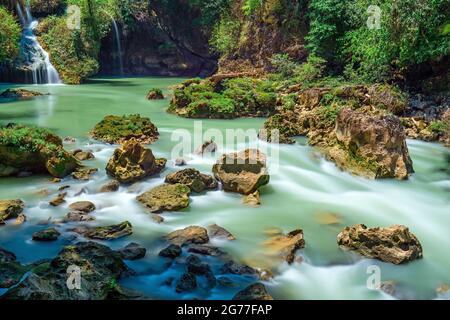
<point x="132" y="162"/>
<point x="193" y="179"/>
<point x="192" y="234"/>
<point x="132" y="251"/>
<point x="243" y="172"/>
<point x="50" y="234"/>
<point x="19" y="94"/>
<point x="10" y="209"/>
<point x="394" y="244"/>
<point x="111" y="186"/>
<point x="216" y="231"/>
<point x="255" y="291"/>
<point x="111" y="232"/>
<point x="82" y="206"/>
<point x="285" y="246"/>
<point x="166" y="197"/>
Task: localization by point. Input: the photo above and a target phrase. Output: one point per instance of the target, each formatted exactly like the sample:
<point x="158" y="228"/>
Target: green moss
<point x="439" y="126"/>
<point x="115" y="129"/>
<point x="9" y="35"/>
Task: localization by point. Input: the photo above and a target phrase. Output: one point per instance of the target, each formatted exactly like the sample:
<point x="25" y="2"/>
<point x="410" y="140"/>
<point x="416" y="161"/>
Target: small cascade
<point x="118" y="44"/>
<point x="33" y="58"/>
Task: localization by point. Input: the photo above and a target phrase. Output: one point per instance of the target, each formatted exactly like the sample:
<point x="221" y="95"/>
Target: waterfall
<point x="118" y="44"/>
<point x="33" y="57"/>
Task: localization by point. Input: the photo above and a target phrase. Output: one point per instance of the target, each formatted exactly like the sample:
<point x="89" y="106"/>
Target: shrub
<point x="225" y="35"/>
<point x="9" y="35"/>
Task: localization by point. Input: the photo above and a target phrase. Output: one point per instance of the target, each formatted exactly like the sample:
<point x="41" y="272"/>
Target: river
<point x="305" y="191"/>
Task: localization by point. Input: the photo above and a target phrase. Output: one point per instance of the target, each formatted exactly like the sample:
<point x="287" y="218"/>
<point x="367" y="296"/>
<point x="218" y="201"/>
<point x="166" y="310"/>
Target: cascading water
<point x="33" y="57"/>
<point x="118" y="44"/>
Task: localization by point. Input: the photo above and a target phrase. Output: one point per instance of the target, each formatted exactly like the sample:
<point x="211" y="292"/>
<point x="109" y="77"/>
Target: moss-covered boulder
<point x="32" y="149"/>
<point x="132" y="162"/>
<point x="355" y="126"/>
<point x="395" y="244"/>
<point x="118" y="129"/>
<point x="189" y="235"/>
<point x="166" y="197"/>
<point x="10" y="209"/>
<point x="100" y="268"/>
<point x="111" y="232"/>
<point x="242" y="172"/>
<point x="19" y="94"/>
<point x="155" y="94"/>
<point x="226" y="98"/>
<point x="192" y="178"/>
<point x="11" y="271"/>
<point x="50" y="234"/>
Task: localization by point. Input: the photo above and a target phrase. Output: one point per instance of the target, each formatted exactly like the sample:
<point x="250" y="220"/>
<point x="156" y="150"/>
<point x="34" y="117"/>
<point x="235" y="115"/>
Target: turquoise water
<point x="303" y="187"/>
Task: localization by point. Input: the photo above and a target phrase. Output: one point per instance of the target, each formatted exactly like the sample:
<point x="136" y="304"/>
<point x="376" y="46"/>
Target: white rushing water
<point x="33" y="56"/>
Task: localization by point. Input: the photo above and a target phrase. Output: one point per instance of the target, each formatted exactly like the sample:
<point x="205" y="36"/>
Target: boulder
<point x="50" y="234"/>
<point x="196" y="266"/>
<point x="207" y="250"/>
<point x="166" y="197"/>
<point x="216" y="231"/>
<point x="243" y="172"/>
<point x="81" y="155"/>
<point x="256" y="291"/>
<point x="110" y="186"/>
<point x="10" y="209"/>
<point x="11" y="271"/>
<point x="192" y="178"/>
<point x="19" y="94"/>
<point x="371" y="146"/>
<point x="106" y="233"/>
<point x="132" y="162"/>
<point x="34" y="150"/>
<point x="233" y="267"/>
<point x="285" y="246"/>
<point x="395" y="244"/>
<point x="83" y="174"/>
<point x="58" y="200"/>
<point x="132" y="251"/>
<point x="172" y="251"/>
<point x="155" y="94"/>
<point x="192" y="234"/>
<point x="252" y="199"/>
<point x="99" y="266"/>
<point x="207" y="147"/>
<point x="118" y="129"/>
<point x="77" y="216"/>
<point x="187" y="282"/>
<point x="82" y="206"/>
<point x="179" y="162"/>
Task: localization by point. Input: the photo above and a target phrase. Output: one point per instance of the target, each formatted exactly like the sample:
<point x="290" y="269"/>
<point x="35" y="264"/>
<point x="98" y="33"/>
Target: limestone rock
<point x="10" y="209"/>
<point x="50" y="234"/>
<point x="216" y="231"/>
<point x="243" y="172"/>
<point x="132" y="251"/>
<point x="256" y="291"/>
<point x="192" y="234"/>
<point x="285" y="246"/>
<point x="395" y="244"/>
<point x="82" y="206"/>
<point x="106" y="233"/>
<point x="167" y="197"/>
<point x="111" y="186"/>
<point x="192" y="178"/>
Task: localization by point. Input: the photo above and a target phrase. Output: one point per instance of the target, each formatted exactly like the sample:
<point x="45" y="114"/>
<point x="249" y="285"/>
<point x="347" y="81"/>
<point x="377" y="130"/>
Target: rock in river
<point x="50" y="234"/>
<point x="285" y="246"/>
<point x="256" y="291"/>
<point x="82" y="206"/>
<point x="395" y="244"/>
<point x="217" y="231"/>
<point x="172" y="251"/>
<point x="110" y="186"/>
<point x="132" y="162"/>
<point x="155" y="94"/>
<point x="167" y="197"/>
<point x="106" y="233"/>
<point x="192" y="178"/>
<point x="192" y="234"/>
<point x="243" y="172"/>
<point x="132" y="251"/>
<point x="19" y="94"/>
<point x="10" y="209"/>
<point x="118" y="129"/>
<point x="99" y="266"/>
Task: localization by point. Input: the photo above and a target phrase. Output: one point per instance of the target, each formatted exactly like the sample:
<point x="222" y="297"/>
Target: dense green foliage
<point x="9" y="35"/>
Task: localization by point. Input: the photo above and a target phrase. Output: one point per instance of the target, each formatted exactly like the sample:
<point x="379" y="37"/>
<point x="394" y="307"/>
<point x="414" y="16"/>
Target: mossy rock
<point x="155" y="94"/>
<point x="167" y="197"/>
<point x="28" y="148"/>
<point x="118" y="129"/>
<point x="10" y="209"/>
<point x="19" y="94"/>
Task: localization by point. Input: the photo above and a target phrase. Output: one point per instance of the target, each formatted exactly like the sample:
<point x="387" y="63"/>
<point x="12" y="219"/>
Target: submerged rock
<point x="172" y="251"/>
<point x="100" y="269"/>
<point x="77" y="216"/>
<point x="132" y="162"/>
<point x="192" y="178"/>
<point x="192" y="234"/>
<point x="395" y="244"/>
<point x="118" y="129"/>
<point x="243" y="172"/>
<point x="155" y="94"/>
<point x="253" y="199"/>
<point x="132" y="251"/>
<point x="82" y="206"/>
<point x="10" y="209"/>
<point x="187" y="282"/>
<point x="58" y="200"/>
<point x="207" y="147"/>
<point x="256" y="291"/>
<point x="19" y="94"/>
<point x="216" y="231"/>
<point x="111" y="186"/>
<point x="83" y="174"/>
<point x="83" y="155"/>
<point x="34" y="150"/>
<point x="285" y="246"/>
<point x="167" y="197"/>
<point x="106" y="233"/>
<point x="233" y="267"/>
<point x="50" y="234"/>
